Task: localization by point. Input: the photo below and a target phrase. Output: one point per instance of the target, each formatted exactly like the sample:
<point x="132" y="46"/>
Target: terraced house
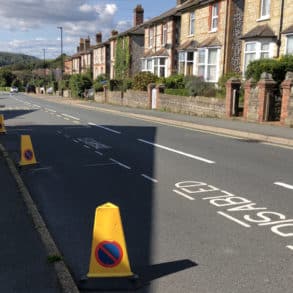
<point x="161" y="37"/>
<point x="101" y="57"/>
<point x="210" y="44"/>
<point x="128" y="45"/>
<point x="267" y="30"/>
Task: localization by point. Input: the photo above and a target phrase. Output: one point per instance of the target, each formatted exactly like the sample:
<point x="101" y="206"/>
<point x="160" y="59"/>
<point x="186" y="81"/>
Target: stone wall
<point x="253" y="105"/>
<point x="200" y="106"/>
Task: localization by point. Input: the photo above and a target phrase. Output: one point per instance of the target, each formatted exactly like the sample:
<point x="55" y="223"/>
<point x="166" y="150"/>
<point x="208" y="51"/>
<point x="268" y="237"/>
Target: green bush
<point x="277" y="67"/>
<point x="174" y="81"/>
<point x="142" y="79"/>
<point x="99" y="82"/>
<point x="177" y="92"/>
<point x="78" y="83"/>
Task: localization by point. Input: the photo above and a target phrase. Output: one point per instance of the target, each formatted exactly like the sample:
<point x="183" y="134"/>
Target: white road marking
<point x="59" y="132"/>
<point x="51" y="110"/>
<point x="103" y="127"/>
<point x="290" y="247"/>
<point x="58" y="115"/>
<point x="120" y="164"/>
<point x="150" y="178"/>
<point x="234" y="219"/>
<point x="183" y="194"/>
<point x="69" y="116"/>
<point x="86" y="146"/>
<point x="66" y="118"/>
<point x="285" y="185"/>
<point x="278" y="145"/>
<point x="67" y="136"/>
<point x="76" y="141"/>
<point x="178" y="152"/>
<point x="99" y="164"/>
<point x="36" y="106"/>
<point x="99" y="153"/>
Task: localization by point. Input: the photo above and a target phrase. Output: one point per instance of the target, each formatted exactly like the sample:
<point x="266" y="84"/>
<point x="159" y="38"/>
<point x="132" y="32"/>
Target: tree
<point x="6" y="77"/>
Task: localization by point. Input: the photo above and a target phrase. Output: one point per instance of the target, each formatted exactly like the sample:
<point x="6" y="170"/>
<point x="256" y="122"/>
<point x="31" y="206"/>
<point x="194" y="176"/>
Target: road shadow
<point x="73" y="179"/>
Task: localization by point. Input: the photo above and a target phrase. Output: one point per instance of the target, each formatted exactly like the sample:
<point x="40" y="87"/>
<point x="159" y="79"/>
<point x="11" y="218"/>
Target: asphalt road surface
<point x="201" y="213"/>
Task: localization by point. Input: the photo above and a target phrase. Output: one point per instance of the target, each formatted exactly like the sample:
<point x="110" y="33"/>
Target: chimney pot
<point x="138" y="15"/>
<point x="99" y="38"/>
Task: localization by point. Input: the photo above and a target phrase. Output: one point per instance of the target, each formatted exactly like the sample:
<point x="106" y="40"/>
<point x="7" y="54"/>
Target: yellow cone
<point x="2" y="125"/>
<point x="109" y="257"/>
<point x="27" y="155"/>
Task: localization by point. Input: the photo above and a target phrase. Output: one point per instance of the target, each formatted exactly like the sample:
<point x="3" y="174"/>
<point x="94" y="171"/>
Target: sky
<point x="31" y="26"/>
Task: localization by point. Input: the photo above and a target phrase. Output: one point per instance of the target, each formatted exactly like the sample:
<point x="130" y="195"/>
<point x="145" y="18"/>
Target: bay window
<point x="208" y="63"/>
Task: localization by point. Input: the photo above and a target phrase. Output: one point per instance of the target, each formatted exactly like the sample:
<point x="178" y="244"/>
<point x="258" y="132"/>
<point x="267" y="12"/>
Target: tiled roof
<point x="137" y="30"/>
<point x="288" y="30"/>
<point x="151" y="53"/>
<point x="188" y="45"/>
<point x="210" y="42"/>
<point x="260" y="31"/>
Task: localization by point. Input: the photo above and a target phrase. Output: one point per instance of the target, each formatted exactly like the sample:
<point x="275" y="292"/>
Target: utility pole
<point x="62" y="63"/>
<point x="44" y="52"/>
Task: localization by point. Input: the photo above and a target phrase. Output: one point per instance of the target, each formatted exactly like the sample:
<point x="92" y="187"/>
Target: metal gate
<point x="273" y="104"/>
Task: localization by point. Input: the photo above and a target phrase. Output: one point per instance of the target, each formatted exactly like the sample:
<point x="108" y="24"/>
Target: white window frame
<point x="286" y="46"/>
<point x="258" y="50"/>
<point x="206" y="64"/>
<point x="191" y="23"/>
<point x="186" y="61"/>
<point x="215" y="16"/>
<point x="262" y="4"/>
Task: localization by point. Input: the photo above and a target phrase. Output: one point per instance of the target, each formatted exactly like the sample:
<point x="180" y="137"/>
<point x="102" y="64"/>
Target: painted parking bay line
<point x="178" y="152"/>
<point x="183" y="194"/>
<point x="105" y="128"/>
<point x="120" y="164"/>
<point x="285" y="185"/>
<point x="149" y="178"/>
<point x="69" y="116"/>
<point x="290" y="247"/>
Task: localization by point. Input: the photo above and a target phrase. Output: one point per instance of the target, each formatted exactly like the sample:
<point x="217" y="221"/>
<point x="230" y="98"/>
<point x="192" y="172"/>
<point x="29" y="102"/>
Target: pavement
<point x="269" y="132"/>
<point x="24" y="249"/>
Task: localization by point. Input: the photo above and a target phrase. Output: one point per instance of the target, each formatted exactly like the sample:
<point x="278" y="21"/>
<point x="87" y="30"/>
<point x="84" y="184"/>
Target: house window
<point x="256" y="50"/>
<point x="191" y="23"/>
<point x="208" y="64"/>
<point x="215" y="17"/>
<point x="165" y="34"/>
<point x="151" y="37"/>
<point x="289" y="45"/>
<point x="160" y="66"/>
<point x="186" y="63"/>
<point x="265" y="8"/>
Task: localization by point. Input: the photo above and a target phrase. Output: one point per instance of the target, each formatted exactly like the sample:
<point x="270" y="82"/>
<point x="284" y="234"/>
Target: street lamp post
<point x="62" y="64"/>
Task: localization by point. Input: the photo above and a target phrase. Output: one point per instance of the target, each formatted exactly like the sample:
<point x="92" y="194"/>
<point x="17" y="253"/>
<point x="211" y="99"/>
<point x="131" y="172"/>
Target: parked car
<point x="30" y="88"/>
<point x="14" y="89"/>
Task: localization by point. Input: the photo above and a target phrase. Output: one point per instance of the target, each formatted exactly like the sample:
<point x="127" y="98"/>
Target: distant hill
<point x="14" y="58"/>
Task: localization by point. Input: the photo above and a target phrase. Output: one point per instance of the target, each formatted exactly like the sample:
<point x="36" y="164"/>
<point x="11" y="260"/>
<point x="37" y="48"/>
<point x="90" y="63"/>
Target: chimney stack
<point x="81" y="45"/>
<point x="114" y="33"/>
<point x="98" y="37"/>
<point x="77" y="49"/>
<point x="138" y="15"/>
<point x="179" y="2"/>
<point x="87" y="43"/>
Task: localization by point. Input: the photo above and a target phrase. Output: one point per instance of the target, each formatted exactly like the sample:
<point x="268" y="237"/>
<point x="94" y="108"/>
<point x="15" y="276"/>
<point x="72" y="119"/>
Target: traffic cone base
<point x="27" y="154"/>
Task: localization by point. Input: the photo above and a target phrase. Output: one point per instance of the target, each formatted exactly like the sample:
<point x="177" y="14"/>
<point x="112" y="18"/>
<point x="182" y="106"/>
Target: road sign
<point x="109" y="254"/>
<point x="28" y="154"/>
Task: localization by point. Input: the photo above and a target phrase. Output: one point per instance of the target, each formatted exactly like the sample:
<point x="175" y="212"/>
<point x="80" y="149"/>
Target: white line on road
<point x="183" y="194"/>
<point x="278" y="145"/>
<point x="99" y="164"/>
<point x="59" y="131"/>
<point x="58" y="115"/>
<point x="76" y="141"/>
<point x="36" y="106"/>
<point x="86" y="146"/>
<point x="99" y="153"/>
<point x="149" y="178"/>
<point x="103" y="127"/>
<point x="178" y="152"/>
<point x="120" y="164"/>
<point x="66" y="118"/>
<point x="285" y="185"/>
<point x="234" y="219"/>
<point x="51" y="110"/>
<point x="69" y="116"/>
<point x="290" y="247"/>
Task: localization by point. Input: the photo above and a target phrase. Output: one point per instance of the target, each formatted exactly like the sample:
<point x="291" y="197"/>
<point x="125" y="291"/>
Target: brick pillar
<point x="249" y="84"/>
<point x="265" y="86"/>
<point x="287" y="87"/>
<point x="151" y="86"/>
<point x="231" y="85"/>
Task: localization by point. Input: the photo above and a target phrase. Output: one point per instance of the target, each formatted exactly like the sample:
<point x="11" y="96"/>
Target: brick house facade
<point x="210" y="34"/>
<point x="267" y="30"/>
